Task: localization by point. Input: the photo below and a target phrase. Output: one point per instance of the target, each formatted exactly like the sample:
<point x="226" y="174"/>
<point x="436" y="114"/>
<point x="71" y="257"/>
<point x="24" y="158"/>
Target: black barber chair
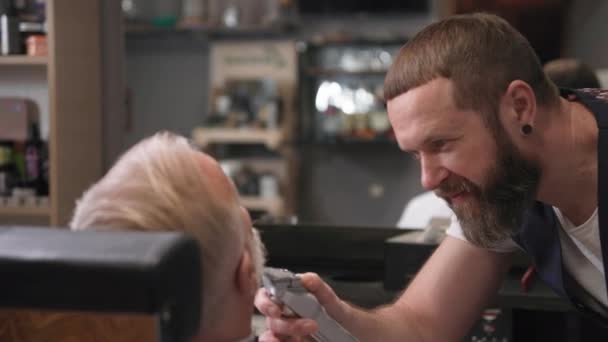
<point x="100" y="271"/>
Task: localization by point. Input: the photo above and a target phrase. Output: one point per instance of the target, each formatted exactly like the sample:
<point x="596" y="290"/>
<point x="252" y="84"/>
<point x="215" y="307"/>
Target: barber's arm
<point x="441" y="304"/>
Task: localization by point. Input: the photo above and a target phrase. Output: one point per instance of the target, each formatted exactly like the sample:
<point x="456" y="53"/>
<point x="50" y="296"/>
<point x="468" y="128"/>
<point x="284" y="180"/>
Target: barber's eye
<point x="438" y="144"/>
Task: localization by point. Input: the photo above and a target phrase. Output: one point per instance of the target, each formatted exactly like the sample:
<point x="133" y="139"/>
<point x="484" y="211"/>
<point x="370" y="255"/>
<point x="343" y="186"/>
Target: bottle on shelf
<point x="269" y="186"/>
<point x="31" y="11"/>
<point x="193" y="13"/>
<point x="32" y="27"/>
<point x="10" y="40"/>
<point x="167" y="13"/>
<point x="8" y="175"/>
<point x="231" y="15"/>
<point x="247" y="182"/>
<point x="288" y="14"/>
<point x="34" y="161"/>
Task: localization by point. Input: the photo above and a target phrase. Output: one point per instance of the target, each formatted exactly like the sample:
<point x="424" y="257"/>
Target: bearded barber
<point x="516" y="160"/>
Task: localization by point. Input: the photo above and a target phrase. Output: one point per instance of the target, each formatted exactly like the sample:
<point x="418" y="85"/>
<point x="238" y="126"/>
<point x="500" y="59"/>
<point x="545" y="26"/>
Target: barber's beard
<point x="258" y="254"/>
<point x="493" y="213"/>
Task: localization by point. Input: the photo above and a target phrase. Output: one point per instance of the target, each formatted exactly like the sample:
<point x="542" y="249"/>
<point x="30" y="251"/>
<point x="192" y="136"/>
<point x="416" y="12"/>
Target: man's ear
<point x="245" y="275"/>
<point x="520" y="101"/>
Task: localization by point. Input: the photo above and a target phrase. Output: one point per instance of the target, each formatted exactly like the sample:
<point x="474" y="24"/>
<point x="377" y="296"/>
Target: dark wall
<point x="357" y="184"/>
<point x="168" y="78"/>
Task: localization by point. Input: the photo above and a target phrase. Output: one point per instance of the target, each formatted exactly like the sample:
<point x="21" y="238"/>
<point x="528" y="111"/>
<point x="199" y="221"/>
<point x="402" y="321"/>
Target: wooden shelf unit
<point x="17" y="60"/>
<point x="283" y="168"/>
<point x="274" y="206"/>
<point x="207" y="136"/>
<point x="75" y="99"/>
<point x="316" y="72"/>
<point x="73" y="82"/>
<point x="265" y="59"/>
<point x="209" y="32"/>
<point x="22" y="211"/>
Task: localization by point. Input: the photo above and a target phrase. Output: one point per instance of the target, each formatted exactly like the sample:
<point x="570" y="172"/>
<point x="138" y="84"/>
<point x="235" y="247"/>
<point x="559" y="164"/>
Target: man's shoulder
<point x="421" y="209"/>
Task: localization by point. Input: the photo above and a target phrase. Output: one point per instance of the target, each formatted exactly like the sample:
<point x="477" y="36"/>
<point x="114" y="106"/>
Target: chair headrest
<point x="104" y="271"/>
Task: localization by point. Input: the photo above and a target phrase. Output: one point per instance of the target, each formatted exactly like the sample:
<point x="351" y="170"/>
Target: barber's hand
<point x="296" y="329"/>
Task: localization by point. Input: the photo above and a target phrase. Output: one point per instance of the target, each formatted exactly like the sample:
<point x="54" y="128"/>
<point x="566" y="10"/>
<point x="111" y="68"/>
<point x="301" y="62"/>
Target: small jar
<point x="269" y="186"/>
<point x="36" y="45"/>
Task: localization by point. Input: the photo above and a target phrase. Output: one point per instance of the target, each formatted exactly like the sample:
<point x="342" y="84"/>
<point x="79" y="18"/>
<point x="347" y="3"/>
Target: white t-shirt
<point x="581" y="251"/>
<point x="421" y="209"/>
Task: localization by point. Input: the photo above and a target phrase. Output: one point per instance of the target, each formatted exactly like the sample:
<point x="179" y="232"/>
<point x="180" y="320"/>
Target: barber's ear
<point x="521" y="100"/>
<point x="245" y="275"/>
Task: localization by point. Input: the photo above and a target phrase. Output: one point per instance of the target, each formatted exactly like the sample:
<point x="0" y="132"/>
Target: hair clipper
<point x="285" y="288"/>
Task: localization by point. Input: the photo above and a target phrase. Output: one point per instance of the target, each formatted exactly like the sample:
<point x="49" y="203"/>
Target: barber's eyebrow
<point x="432" y="138"/>
<point x="429" y="140"/>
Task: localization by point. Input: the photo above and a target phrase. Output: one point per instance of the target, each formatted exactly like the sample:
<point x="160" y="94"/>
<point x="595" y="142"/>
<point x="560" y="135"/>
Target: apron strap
<point x="602" y="194"/>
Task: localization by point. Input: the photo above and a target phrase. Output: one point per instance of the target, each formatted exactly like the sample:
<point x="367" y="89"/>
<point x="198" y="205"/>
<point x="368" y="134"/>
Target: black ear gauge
<point x="526" y="129"/>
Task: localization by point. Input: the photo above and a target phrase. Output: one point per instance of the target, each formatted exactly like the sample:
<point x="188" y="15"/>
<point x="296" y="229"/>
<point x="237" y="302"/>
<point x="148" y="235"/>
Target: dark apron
<point x="539" y="235"/>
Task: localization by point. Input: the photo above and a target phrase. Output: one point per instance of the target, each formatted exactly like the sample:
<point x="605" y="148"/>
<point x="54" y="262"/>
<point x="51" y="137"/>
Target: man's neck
<point x="569" y="161"/>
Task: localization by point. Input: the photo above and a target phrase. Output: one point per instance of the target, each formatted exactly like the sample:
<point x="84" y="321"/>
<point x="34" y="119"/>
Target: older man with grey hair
<point x="163" y="183"/>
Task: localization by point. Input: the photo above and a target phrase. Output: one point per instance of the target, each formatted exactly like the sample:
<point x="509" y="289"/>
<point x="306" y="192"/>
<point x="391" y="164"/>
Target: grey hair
<point x="160" y="185"/>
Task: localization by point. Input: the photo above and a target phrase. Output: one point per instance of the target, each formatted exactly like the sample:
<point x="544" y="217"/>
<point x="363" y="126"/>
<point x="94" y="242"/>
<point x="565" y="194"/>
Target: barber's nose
<point x="431" y="172"/>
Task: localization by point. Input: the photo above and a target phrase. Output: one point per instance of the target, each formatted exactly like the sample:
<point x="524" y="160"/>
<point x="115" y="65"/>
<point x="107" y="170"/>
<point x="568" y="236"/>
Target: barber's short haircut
<point x="571" y="73"/>
<point x="480" y="53"/>
<point x="160" y="185"/>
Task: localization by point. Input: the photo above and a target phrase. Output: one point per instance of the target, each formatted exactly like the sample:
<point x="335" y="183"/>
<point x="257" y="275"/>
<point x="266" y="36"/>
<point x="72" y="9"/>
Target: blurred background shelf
<point x="266" y="185"/>
<point x="273" y="206"/>
<point x="23" y="60"/>
<point x="66" y="87"/>
<point x="381" y="141"/>
<point x="25" y="211"/>
<point x="206" y="136"/>
<point x="142" y="30"/>
<point x="315" y="72"/>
